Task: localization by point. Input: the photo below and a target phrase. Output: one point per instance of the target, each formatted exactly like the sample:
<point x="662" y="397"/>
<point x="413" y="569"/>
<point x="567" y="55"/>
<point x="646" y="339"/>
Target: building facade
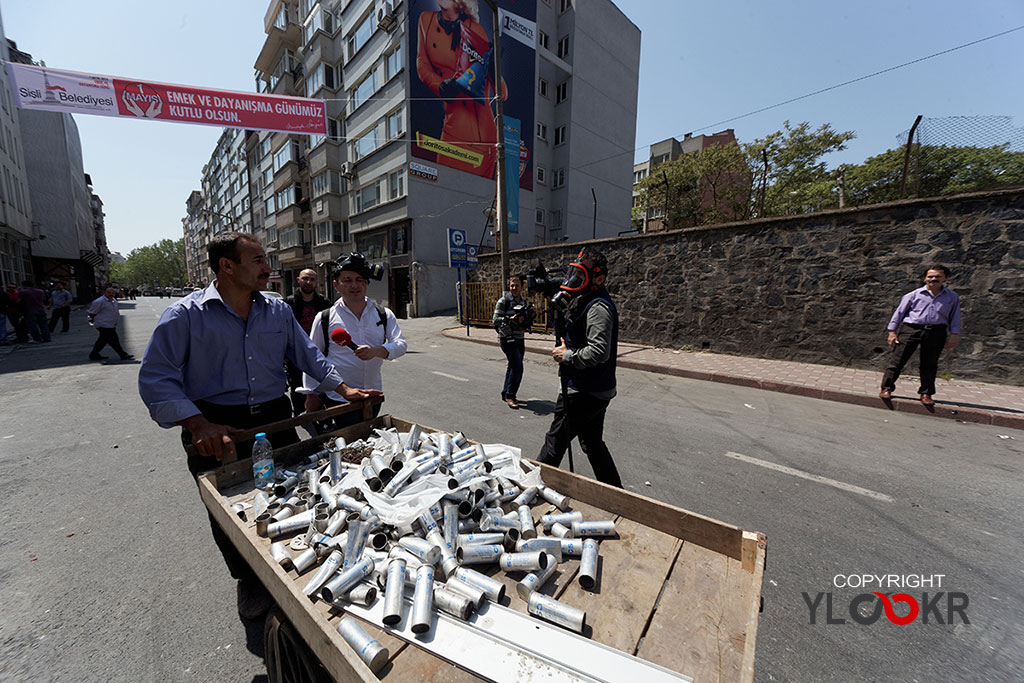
<point x="16" y="230"/>
<point x="401" y="164"/>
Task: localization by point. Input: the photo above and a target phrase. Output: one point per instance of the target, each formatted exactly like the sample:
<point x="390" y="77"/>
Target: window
<point x="539" y="217"/>
<point x="288" y="152"/>
<point x="359" y="37"/>
<point x="559" y="178"/>
<point x="542" y="39"/>
<point x="396" y="184"/>
<point x="542" y="87"/>
<point x="542" y="175"/>
<point x="559" y="135"/>
<point x="293" y="236"/>
<point x="393" y="63"/>
<point x="366" y="144"/>
<point x="542" y="131"/>
<point x="288" y="196"/>
<point x="564" y="5"/>
<point x="364" y="90"/>
<point x="556" y="220"/>
<point x="265" y="147"/>
<point x="396" y="124"/>
<point x="319" y="20"/>
<point x="369" y="196"/>
<point x="330" y="231"/>
<point x="281" y="20"/>
<point x="328" y="181"/>
<point x="563" y="47"/>
<point x="639" y="175"/>
<point x="561" y="92"/>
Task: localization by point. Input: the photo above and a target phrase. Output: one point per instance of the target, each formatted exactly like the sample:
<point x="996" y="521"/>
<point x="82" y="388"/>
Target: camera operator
<point x="586" y="365"/>
<point x="513" y="315"/>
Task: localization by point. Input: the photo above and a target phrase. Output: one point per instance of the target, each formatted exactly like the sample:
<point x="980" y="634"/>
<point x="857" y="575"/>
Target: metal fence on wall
<point x="482" y="296"/>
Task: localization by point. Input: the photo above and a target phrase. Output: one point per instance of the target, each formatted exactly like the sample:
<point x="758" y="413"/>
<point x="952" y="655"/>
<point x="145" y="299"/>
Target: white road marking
<point x="445" y="374"/>
<point x="811" y="477"/>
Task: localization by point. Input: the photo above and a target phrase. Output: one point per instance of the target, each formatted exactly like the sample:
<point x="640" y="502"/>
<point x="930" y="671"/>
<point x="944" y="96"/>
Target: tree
<point x="163" y="262"/>
<point x="934" y="170"/>
<point x="708" y="186"/>
<point x="795" y="178"/>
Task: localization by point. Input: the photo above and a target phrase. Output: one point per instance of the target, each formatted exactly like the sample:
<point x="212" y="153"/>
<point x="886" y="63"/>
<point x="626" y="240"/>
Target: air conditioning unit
<point x="386" y="15"/>
<point x="346" y="170"/>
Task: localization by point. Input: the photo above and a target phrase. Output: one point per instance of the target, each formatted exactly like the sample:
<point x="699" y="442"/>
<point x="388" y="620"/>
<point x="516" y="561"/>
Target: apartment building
<point x="16" y="231"/>
<point x="397" y="168"/>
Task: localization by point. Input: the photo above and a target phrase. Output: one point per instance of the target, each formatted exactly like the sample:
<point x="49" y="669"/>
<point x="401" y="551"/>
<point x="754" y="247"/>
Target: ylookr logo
<point x="942" y="607"/>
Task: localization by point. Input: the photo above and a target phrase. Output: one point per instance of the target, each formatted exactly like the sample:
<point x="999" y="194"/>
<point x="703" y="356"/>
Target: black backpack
<point x="325" y="323"/>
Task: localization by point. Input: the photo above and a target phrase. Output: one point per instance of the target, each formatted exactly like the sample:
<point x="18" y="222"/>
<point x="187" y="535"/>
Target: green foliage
<point x="797" y="179"/>
<point x="934" y="170"/>
<point x="163" y="262"/>
<point x="709" y="186"/>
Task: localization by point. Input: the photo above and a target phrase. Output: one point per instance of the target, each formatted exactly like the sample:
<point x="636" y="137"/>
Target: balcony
<point x="286" y="175"/>
<point x="327" y="252"/>
<point x="287" y="217"/>
<point x="277" y="41"/>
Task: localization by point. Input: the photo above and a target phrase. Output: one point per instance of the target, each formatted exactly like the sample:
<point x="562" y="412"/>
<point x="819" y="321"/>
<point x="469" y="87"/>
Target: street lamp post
<point x="501" y="224"/>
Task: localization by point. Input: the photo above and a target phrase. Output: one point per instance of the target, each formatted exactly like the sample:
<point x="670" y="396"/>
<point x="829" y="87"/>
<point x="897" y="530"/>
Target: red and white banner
<point x="43" y="88"/>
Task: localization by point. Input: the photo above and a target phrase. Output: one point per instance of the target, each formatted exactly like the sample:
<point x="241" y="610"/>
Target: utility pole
<point x="594" y="234"/>
<point x="499" y="176"/>
<point x="841" y="173"/>
<point x="906" y="157"/>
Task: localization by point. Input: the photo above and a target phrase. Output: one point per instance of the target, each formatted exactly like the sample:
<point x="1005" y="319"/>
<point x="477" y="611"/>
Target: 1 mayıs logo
<point x="142" y="100"/>
<point x="929" y="607"/>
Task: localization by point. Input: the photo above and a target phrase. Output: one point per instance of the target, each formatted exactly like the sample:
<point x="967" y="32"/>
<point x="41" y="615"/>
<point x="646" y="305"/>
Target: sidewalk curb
<point x="905" y="405"/>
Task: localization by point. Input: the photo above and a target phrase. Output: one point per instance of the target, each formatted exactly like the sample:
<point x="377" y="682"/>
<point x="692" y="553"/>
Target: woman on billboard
<point x="453" y="59"/>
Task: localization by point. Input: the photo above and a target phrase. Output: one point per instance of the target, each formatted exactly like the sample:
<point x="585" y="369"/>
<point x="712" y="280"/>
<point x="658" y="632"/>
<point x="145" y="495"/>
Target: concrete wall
<point x="821" y="288"/>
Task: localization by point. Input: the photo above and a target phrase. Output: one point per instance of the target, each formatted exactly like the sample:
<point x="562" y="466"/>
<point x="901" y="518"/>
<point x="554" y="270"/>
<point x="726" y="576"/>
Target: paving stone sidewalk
<point x="980" y="402"/>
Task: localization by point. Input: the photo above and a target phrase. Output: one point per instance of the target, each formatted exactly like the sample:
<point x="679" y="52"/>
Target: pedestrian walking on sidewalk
<point x="586" y="364"/>
<point x="61" y="302"/>
<point x="513" y="315"/>
<point x="103" y="314"/>
<point x="33" y="301"/>
<point x="930" y="316"/>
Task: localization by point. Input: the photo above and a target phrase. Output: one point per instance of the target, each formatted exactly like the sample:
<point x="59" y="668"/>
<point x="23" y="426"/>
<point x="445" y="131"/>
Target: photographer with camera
<point x="513" y="315"/>
<point x="356" y="334"/>
<point x="586" y="365"/>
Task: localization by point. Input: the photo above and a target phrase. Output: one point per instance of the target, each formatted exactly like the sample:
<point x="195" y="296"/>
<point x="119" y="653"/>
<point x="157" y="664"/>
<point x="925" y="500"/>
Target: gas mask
<point x="579" y="280"/>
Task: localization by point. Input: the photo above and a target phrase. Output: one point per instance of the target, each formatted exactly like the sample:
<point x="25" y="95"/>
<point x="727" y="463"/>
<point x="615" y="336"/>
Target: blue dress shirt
<point x="203" y="350"/>
<point x="921" y="308"/>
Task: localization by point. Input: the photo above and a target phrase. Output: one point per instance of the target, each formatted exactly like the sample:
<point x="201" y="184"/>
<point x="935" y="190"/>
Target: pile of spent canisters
<point x="428" y="512"/>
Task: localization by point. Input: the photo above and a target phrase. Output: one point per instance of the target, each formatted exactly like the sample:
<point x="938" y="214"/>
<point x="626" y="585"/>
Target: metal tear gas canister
<point x="403" y="477"/>
<point x="535" y="580"/>
<point x="260" y="503"/>
<point x="423" y="599"/>
<point x="304" y="560"/>
<point x="411" y="561"/>
<point x="492" y="588"/>
<point x="476" y="595"/>
<point x="290" y="524"/>
<point x="588" y="565"/>
<point x="493" y="523"/>
<point x="343" y="582"/>
<point x="459" y="439"/>
<point x="358" y="531"/>
<point x="349" y="503"/>
<point x="428" y="466"/>
<point x="336" y="523"/>
<point x="373" y="654"/>
<point x="324" y="572"/>
<point x="286" y="486"/>
<point x="427" y="523"/>
<point x="262" y="522"/>
<point x="383" y="472"/>
<point x="564" y="518"/>
<point x="470" y="463"/>
<point x="334" y="475"/>
<point x="423" y="549"/>
<point x="487" y="538"/>
<point x="373" y="482"/>
<point x="468" y="526"/>
<point x="363" y="594"/>
<point x="560" y="531"/>
<point x="556" y="612"/>
<point x="378" y="540"/>
<point x="492" y="496"/>
<point x="554" y="497"/>
<point x="602" y="528"/>
<point x="572" y="547"/>
<point x="320" y="520"/>
<point x="465" y="453"/>
<point x="523" y="562"/>
<point x="547" y="544"/>
<point x="444" y="448"/>
<point x="340" y="443"/>
<point x="393" y="591"/>
<point x="283" y="512"/>
<point x="512" y="537"/>
<point x="479" y="554"/>
<point x="452" y="602"/>
<point x="508" y="493"/>
<point x="412" y="442"/>
<point x="279" y="551"/>
<point x="525" y="497"/>
<point x="451" y="525"/>
<point x="526" y="528"/>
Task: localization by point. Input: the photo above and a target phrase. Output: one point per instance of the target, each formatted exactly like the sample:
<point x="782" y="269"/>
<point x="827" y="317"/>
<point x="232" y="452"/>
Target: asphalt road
<point x="108" y="573"/>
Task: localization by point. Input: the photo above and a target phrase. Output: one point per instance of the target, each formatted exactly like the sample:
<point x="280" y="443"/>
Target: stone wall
<point x="821" y="287"/>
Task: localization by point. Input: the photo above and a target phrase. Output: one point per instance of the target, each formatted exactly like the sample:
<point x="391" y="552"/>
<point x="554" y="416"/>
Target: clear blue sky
<point x="702" y="62"/>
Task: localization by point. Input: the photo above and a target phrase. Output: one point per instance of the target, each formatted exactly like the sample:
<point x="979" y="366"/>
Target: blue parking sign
<point x="456" y="248"/>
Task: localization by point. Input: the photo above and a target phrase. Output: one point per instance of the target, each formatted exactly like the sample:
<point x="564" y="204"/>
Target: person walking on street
<point x="513" y="315"/>
<point x="586" y="363"/>
<point x="6" y="305"/>
<point x="305" y="303"/>
<point x="16" y="314"/>
<point x="61" y="302"/>
<point x="215" y="365"/>
<point x="373" y="330"/>
<point x="33" y="301"/>
<point x="931" y="316"/>
<point x="103" y="314"/>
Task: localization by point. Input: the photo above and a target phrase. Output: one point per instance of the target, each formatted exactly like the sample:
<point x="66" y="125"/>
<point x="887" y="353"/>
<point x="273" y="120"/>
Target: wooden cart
<point x="678" y="589"/>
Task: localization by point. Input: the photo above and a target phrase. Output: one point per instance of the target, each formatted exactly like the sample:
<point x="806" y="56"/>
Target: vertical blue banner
<point x="512" y="138"/>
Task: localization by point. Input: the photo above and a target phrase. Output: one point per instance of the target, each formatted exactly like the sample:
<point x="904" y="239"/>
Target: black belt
<point x="244" y="409"/>
<point x="918" y="326"/>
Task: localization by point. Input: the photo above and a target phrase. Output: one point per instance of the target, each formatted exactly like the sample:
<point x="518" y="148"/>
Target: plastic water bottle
<point x="262" y="462"/>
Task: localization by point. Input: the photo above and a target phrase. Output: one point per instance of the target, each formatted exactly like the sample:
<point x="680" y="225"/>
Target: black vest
<point x="600" y="377"/>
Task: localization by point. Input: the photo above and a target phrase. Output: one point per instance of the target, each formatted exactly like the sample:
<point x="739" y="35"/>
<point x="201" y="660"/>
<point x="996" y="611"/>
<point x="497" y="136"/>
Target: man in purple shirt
<point x="34" y="301"/>
<point x="931" y="316"/>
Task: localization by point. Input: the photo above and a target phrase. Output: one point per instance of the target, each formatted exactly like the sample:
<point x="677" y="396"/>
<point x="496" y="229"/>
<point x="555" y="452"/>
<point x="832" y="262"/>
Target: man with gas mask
<point x="586" y="365"/>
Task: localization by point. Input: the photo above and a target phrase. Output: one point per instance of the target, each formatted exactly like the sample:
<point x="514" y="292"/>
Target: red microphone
<point x="341" y="336"/>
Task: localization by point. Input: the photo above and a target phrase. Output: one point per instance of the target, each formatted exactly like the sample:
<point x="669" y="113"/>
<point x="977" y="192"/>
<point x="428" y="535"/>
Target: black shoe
<point x="97" y="357"/>
<point x="253" y="599"/>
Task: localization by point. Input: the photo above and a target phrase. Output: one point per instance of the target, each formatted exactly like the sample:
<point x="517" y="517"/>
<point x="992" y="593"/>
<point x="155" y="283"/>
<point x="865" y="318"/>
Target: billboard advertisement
<point x="451" y="107"/>
<point x="43" y="88"/>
